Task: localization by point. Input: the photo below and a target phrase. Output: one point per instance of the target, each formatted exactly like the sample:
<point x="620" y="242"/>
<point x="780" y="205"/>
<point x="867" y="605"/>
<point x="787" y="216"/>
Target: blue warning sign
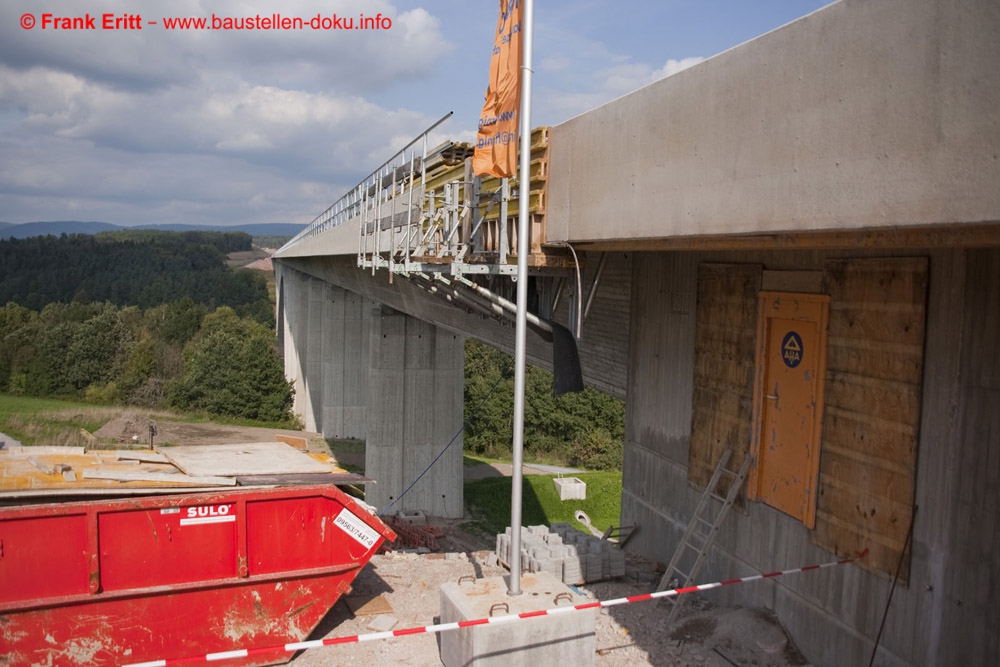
<point x="791" y="349"/>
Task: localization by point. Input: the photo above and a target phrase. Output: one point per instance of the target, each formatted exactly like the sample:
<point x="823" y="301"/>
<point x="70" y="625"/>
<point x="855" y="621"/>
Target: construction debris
<point x="60" y="471"/>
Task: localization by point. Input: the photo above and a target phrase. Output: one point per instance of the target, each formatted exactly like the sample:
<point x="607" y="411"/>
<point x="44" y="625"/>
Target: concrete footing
<point x="563" y="639"/>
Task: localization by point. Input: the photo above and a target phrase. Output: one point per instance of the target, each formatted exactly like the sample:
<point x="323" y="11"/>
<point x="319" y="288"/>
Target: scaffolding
<point x="423" y="211"/>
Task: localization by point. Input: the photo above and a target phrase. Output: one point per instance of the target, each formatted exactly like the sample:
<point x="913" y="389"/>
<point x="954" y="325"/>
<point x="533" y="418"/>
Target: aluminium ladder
<point x="702" y="529"/>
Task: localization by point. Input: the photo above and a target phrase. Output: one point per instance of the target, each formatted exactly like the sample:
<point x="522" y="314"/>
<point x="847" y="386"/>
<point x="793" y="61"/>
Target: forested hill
<point x="55" y="228"/>
<point x="131" y="268"/>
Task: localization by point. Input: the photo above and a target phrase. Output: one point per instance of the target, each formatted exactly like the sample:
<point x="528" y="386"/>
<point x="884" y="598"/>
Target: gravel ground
<point x="634" y="634"/>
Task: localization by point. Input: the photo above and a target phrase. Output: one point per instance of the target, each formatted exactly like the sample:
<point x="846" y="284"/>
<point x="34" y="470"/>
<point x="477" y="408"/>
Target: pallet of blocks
<point x="568" y="554"/>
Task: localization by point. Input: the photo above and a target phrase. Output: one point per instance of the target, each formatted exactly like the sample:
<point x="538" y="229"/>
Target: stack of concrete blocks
<point x="566" y="553"/>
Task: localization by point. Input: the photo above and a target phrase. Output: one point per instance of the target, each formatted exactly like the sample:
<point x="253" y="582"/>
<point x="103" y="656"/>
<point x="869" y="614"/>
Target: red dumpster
<point x="109" y="582"/>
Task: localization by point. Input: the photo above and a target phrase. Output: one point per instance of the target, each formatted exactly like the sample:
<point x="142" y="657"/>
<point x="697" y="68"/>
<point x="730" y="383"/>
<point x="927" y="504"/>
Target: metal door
<point x="788" y="400"/>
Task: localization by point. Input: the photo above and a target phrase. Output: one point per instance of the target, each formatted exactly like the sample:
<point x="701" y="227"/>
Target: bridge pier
<point x="415" y="409"/>
<point x="367" y="372"/>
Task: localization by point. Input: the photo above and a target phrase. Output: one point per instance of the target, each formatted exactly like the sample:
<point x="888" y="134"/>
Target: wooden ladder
<point x="702" y="529"/>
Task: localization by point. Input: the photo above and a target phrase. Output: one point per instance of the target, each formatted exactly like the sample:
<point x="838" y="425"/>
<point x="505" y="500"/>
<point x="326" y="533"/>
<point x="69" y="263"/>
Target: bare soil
<point x="133" y="427"/>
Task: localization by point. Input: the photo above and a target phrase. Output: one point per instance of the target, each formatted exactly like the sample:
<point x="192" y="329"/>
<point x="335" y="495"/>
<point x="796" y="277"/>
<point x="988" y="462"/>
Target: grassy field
<point x="46" y="421"/>
<point x="488" y="501"/>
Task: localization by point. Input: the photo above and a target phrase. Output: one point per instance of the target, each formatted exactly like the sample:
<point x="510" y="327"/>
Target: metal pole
<point x="523" y="247"/>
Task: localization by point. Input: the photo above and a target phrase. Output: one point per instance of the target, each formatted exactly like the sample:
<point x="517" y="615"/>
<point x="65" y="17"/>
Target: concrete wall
<point x="948" y="613"/>
<point x="415" y="411"/>
<point x="363" y="371"/>
<point x="324" y="331"/>
<point x="867" y="113"/>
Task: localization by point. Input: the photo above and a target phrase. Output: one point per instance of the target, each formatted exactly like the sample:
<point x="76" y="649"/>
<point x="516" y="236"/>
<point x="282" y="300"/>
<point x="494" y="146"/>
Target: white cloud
<point x="200" y="126"/>
<point x="212" y="126"/>
<point x="674" y="66"/>
<point x="357" y="61"/>
<point x="607" y="83"/>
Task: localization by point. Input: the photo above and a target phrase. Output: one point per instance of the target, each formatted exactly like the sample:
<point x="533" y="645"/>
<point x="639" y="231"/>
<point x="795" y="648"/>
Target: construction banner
<point x="496" y="142"/>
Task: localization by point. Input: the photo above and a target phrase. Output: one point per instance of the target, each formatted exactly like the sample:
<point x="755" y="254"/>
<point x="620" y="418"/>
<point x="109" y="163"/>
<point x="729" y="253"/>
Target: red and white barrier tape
<point x="444" y="627"/>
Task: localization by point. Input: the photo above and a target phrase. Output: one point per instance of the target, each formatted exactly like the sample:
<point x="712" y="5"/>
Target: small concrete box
<point x="571" y="488"/>
<point x="563" y="639"/>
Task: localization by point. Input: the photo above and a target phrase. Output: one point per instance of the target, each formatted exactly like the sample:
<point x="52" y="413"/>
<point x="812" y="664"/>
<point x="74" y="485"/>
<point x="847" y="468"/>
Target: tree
<point x="585" y="428"/>
<point x="232" y="368"/>
<point x="142" y="268"/>
<point x="13" y="318"/>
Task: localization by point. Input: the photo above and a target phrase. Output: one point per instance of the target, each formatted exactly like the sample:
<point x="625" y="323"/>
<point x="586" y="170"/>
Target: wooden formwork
<point x="446" y="180"/>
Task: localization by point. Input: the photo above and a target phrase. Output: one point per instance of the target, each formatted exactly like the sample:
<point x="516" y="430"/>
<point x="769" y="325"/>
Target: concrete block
<point x="411" y="516"/>
<point x="564" y="639"/>
<point x="571" y="488"/>
<point x="383" y="623"/>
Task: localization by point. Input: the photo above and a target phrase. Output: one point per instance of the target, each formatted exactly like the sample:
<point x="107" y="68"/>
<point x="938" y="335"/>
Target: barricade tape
<point x="444" y="627"/>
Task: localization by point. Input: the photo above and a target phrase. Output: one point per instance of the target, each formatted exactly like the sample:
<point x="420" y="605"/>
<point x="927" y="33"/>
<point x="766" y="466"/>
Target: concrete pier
<point x="367" y="372"/>
<point x="414" y="410"/>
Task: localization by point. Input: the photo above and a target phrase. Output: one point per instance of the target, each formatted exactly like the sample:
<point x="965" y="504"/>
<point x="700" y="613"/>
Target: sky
<point x="155" y="125"/>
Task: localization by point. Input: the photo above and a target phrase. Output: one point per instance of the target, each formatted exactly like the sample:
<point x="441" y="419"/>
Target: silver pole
<point x="523" y="246"/>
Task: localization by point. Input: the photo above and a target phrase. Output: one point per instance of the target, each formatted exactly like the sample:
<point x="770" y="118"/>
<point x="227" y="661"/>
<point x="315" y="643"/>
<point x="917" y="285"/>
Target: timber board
<point x="255" y="458"/>
<point x="879" y="359"/>
<point x="868" y="461"/>
<point x="722" y="396"/>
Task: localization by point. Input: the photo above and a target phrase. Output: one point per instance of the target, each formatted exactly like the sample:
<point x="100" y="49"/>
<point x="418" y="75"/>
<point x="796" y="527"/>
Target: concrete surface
<point x="368" y="372"/>
<point x="565" y="639"/>
<point x="861" y="114"/>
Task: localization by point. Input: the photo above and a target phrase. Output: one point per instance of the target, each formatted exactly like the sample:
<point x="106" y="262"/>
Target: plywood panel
<point x="725" y="326"/>
<point x="255" y="458"/>
<point x="876" y="359"/>
<point x="873" y="394"/>
<point x="858" y="392"/>
<point x="855" y="432"/>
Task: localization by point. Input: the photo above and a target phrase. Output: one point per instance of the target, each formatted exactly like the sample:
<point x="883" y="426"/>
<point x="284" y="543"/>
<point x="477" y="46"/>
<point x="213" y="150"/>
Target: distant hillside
<point x="30" y="229"/>
<point x="132" y="267"/>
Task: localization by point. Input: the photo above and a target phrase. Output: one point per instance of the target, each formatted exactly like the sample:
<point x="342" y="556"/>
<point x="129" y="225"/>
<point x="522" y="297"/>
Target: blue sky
<point x="203" y="127"/>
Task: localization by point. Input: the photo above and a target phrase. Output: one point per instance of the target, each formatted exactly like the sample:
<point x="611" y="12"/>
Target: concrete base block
<point x="563" y="639"/>
<point x="412" y="516"/>
<point x="571" y="488"/>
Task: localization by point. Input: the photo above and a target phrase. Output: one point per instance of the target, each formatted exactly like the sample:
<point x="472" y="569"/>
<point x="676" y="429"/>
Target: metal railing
<point x="423" y="210"/>
<point x="351" y="205"/>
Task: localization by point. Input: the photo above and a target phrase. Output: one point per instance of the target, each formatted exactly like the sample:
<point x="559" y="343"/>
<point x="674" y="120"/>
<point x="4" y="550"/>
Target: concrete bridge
<point x="833" y="187"/>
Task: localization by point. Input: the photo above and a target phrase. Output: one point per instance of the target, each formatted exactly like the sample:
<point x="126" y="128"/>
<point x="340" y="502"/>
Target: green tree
<point x="232" y="368"/>
<point x="13" y="318"/>
<point x="143" y="268"/>
<point x="584" y="429"/>
<point x="489" y="400"/>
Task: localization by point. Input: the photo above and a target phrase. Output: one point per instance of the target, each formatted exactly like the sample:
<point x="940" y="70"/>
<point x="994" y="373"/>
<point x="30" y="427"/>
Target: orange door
<point x="791" y="365"/>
